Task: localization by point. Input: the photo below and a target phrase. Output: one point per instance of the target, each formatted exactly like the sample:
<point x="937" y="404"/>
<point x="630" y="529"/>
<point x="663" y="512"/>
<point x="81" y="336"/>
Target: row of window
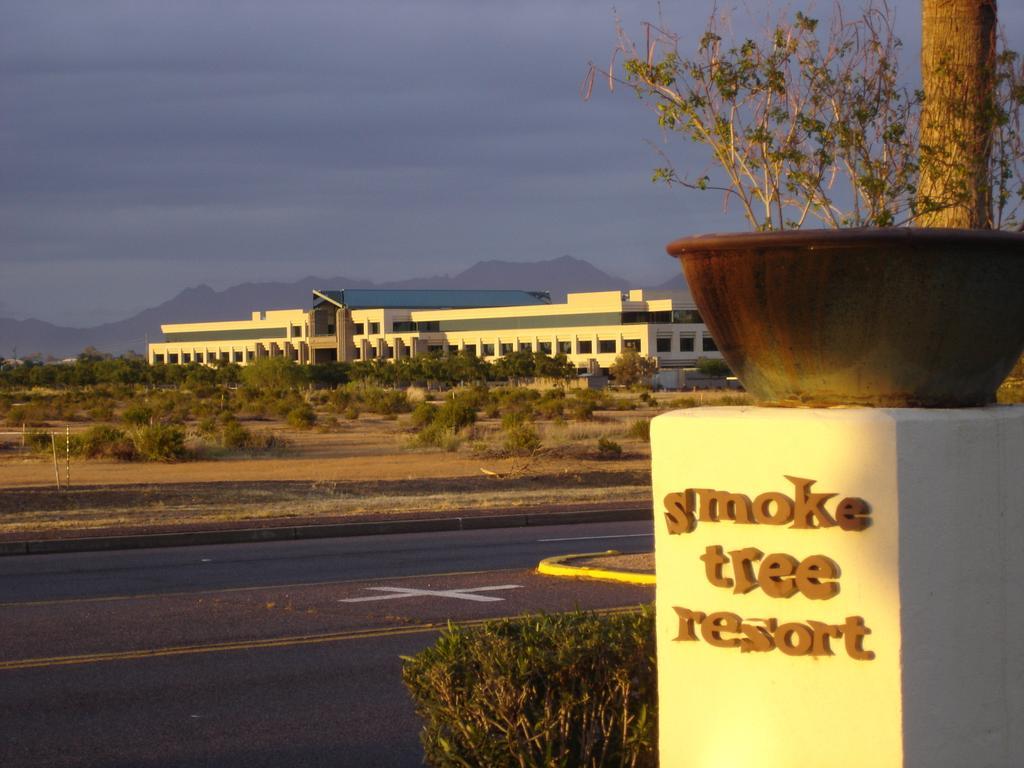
<point x="677" y="316"/>
<point x="686" y="344"/>
<point x="583" y="347"/>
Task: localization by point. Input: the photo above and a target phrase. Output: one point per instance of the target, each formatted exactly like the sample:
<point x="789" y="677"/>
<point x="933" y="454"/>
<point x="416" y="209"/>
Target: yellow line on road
<point x="250" y="645"/>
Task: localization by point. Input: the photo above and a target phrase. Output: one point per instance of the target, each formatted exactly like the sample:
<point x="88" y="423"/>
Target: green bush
<point x="608" y="449"/>
<point x="301" y="417"/>
<point x="160" y="442"/>
<point x="569" y="690"/>
<point x="103" y="442"/>
<point x="641" y="430"/>
<point x="521" y="439"/>
<point x="423" y="414"/>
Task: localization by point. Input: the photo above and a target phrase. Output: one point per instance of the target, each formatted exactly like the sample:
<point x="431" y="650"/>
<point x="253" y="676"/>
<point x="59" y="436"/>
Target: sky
<point x="146" y="147"/>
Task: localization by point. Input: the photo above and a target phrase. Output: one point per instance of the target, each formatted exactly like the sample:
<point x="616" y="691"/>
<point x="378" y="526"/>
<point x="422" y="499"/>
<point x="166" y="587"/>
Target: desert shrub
<point x="38" y="440"/>
<point x="608" y="448"/>
<point x="160" y="442"/>
<point x="101" y="412"/>
<point x="235" y="437"/>
<point x="568" y="690"/>
<point x="351" y="413"/>
<point x="31" y="414"/>
<point x="104" y="442"/>
<point x="521" y="440"/>
<point x="640" y="429"/>
<point x="301" y="417"/>
<point x="383" y="401"/>
<point x="581" y="410"/>
<point x="455" y="414"/>
<point x="423" y="414"/>
<point x="138" y="414"/>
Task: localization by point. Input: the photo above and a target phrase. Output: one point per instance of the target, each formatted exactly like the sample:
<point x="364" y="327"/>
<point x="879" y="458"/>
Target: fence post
<point x="56" y="468"/>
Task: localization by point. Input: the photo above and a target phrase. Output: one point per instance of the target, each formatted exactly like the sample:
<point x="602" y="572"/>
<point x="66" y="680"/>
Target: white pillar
<point x="902" y="644"/>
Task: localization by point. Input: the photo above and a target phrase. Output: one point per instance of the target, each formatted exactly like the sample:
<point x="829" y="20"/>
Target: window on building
<point x="487" y="350"/>
<point x="526" y="346"/>
<point x="709" y="344"/>
<point x="544" y="346"/>
<point x="606" y="346"/>
<point x="438" y="348"/>
<point x="186" y="357"/>
<point x="584" y="347"/>
<point x="565" y="347"/>
<point x="469" y="349"/>
<point x="224" y="357"/>
<point x="237" y="357"/>
<point x="248" y="356"/>
<point x="686" y="316"/>
<point x="403" y="326"/>
<point x="686" y="343"/>
<point x="158" y="358"/>
<point x="356" y="354"/>
<point x="506" y="348"/>
<point x="371" y="353"/>
<point x="389" y="352"/>
<point x="374" y="329"/>
<point x="664" y="343"/>
<point x="172" y="358"/>
<point x="429" y="326"/>
<point x="330" y="329"/>
<point x="633" y="344"/>
<point x="296" y="330"/>
<point x="293" y="354"/>
<point x="199" y="357"/>
<point x="358" y="329"/>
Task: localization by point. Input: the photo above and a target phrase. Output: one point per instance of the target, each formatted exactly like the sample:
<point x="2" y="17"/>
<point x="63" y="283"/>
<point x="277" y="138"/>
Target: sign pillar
<point x="838" y="587"/>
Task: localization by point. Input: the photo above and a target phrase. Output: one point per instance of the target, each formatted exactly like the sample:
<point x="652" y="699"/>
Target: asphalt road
<point x="278" y="654"/>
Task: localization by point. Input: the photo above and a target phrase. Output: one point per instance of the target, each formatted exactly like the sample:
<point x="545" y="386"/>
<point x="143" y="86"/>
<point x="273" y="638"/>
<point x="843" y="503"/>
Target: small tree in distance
<point x="631" y="368"/>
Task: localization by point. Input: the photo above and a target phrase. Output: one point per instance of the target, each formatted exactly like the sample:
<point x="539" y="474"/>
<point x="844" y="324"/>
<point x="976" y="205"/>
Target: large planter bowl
<point x="875" y="317"/>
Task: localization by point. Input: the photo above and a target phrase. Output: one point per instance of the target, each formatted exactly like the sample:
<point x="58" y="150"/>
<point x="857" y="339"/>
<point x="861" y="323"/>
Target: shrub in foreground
<point x="568" y="690"/>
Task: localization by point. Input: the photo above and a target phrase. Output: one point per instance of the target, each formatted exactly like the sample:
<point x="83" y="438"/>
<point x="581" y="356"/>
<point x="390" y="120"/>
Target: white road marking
<point x="397" y="593"/>
<point x="617" y="536"/>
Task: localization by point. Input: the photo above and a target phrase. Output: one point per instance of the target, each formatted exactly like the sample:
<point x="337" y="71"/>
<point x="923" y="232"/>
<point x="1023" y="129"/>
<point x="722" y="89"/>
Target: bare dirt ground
<point x="363" y="469"/>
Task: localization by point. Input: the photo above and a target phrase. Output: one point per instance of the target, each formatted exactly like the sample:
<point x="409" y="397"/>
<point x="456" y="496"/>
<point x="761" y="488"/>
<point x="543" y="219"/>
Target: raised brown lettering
<point x="801" y="646"/>
<point x="743" y="568"/>
<point x="853" y="514"/>
<point x="722" y="505"/>
<point x="714" y="559"/>
<point x="822" y="632"/>
<point x="810" y="575"/>
<point x="686" y="620"/>
<point x="783" y="508"/>
<point x="853" y="635"/>
<point x="757" y="639"/>
<point x="715" y="624"/>
<point x="679" y="514"/>
<point x="776" y="575"/>
<point x="810" y="507"/>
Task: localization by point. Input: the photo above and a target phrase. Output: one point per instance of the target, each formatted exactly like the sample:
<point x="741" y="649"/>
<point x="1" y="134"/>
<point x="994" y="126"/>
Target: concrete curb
<point x="557" y="566"/>
<point x="334" y="530"/>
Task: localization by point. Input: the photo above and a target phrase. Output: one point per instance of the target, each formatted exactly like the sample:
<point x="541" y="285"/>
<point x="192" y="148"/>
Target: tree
<point x="958" y="66"/>
<point x="273" y="373"/>
<point x="632" y="368"/>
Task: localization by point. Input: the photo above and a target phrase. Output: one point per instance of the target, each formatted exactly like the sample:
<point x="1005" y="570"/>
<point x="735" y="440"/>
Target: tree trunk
<point x="957" y="63"/>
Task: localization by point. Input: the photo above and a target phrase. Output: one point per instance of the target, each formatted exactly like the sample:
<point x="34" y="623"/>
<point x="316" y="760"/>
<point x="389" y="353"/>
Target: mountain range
<point x="202" y="303"/>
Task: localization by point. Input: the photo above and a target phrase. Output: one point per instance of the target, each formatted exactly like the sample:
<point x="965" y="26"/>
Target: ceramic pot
<point x="874" y="317"/>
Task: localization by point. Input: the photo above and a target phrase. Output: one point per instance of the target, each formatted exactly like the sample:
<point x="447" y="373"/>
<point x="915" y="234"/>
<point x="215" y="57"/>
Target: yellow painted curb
<point x="557" y="566"/>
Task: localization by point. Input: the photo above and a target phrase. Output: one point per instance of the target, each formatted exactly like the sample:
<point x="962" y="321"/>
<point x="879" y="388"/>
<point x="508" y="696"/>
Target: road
<point x="273" y="654"/>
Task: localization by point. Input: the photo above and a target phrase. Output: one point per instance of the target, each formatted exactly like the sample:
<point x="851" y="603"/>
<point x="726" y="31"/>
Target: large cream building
<point x="590" y="329"/>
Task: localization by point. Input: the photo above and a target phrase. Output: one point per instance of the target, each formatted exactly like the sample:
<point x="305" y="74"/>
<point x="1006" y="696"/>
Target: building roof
<point x="361" y="298"/>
